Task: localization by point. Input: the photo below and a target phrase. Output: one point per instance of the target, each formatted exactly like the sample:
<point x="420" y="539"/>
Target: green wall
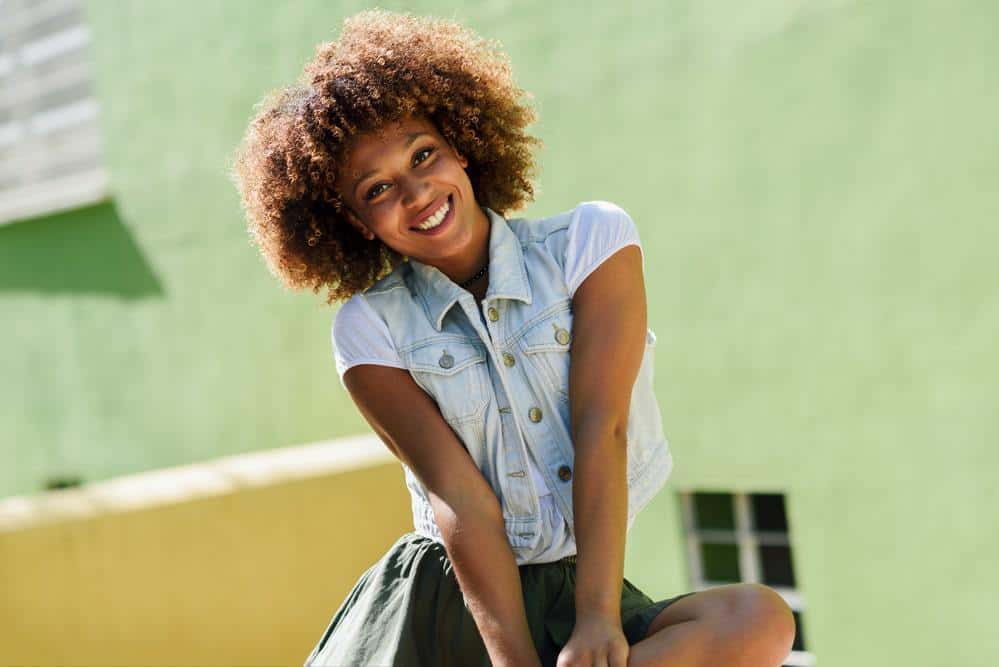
<point x="815" y="184"/>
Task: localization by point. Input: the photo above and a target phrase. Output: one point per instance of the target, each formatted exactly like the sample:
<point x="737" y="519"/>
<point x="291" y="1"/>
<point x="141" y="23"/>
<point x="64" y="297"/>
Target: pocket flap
<point x="553" y="333"/>
<point x="444" y="357"/>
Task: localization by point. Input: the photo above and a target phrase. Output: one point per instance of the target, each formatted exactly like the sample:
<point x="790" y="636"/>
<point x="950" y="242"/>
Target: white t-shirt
<point x="360" y="337"/>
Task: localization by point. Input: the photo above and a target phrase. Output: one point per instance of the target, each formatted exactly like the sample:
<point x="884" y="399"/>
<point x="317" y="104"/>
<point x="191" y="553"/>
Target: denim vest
<point x="500" y="375"/>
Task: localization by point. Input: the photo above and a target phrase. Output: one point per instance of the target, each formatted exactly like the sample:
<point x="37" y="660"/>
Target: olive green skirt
<point x="407" y="610"/>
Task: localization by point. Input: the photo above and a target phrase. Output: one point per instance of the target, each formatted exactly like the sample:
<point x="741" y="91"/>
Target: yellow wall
<point x="246" y="570"/>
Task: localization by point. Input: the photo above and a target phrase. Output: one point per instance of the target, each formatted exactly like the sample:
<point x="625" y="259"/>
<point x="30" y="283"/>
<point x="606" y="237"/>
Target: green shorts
<point x="408" y="610"/>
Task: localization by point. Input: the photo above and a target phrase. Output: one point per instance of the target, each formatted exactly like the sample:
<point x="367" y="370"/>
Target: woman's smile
<point x="437" y="220"/>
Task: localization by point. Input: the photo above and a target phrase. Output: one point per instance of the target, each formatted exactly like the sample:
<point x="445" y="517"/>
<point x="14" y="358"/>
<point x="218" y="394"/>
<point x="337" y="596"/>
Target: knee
<point x="762" y="625"/>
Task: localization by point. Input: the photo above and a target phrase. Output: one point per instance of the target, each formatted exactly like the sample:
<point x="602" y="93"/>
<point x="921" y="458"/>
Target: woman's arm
<point x="466" y="508"/>
<point x="609" y="325"/>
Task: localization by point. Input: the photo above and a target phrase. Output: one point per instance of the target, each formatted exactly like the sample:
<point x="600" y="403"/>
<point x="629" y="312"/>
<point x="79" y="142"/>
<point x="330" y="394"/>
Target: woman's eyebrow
<point x="361" y="178"/>
<point x="410" y="138"/>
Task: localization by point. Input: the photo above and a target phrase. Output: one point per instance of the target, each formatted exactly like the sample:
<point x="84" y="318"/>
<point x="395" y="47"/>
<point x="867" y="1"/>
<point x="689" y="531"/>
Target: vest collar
<point x="507" y="274"/>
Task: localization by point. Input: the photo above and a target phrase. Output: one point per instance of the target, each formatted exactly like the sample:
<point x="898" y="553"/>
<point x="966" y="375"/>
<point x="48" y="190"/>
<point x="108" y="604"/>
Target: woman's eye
<point x="375" y="190"/>
<point x="422" y="155"/>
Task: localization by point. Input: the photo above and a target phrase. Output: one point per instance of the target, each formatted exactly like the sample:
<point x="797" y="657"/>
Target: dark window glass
<point x="720" y="561"/>
<point x="768" y="512"/>
<point x="799" y="633"/>
<point x="713" y="511"/>
<point x="776" y="564"/>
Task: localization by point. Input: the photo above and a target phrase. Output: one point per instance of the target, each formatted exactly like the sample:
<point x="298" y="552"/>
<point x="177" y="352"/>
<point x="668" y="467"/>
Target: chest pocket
<point x="545" y="343"/>
<point x="454" y="372"/>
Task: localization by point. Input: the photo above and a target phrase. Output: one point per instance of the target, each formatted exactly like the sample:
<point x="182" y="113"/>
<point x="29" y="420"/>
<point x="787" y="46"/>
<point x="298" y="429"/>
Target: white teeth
<point x="436" y="218"/>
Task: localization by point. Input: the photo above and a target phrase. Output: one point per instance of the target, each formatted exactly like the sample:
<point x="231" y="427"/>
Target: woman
<point x="506" y="363"/>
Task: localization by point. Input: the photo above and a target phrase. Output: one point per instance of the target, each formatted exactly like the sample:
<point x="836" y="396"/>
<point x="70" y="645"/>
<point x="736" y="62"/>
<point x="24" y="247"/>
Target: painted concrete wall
<point x="815" y="187"/>
<point x="234" y="562"/>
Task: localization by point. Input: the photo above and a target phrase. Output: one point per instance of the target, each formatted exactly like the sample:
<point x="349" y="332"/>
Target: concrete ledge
<point x="238" y="561"/>
<point x="191" y="482"/>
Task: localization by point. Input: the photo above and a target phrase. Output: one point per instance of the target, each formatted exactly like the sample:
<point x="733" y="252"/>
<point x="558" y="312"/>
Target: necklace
<point x="478" y="275"/>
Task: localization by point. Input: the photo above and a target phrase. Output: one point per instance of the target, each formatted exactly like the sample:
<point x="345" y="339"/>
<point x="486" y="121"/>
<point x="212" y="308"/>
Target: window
<point x="51" y="158"/>
<point x="739" y="537"/>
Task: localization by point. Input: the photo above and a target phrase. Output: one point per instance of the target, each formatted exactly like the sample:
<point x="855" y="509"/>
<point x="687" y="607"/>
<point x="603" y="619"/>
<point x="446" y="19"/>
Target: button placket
<point x="517" y="484"/>
<point x="520" y="495"/>
<point x="517" y="487"/>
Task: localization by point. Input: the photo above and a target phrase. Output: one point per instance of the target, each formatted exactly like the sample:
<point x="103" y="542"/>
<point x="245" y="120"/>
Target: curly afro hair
<point x="385" y="67"/>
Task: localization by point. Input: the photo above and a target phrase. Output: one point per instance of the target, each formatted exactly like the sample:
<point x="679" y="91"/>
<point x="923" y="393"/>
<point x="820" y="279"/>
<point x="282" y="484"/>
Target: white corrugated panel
<point x="51" y="151"/>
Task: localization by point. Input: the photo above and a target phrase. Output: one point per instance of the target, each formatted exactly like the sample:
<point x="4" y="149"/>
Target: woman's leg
<point x="741" y="625"/>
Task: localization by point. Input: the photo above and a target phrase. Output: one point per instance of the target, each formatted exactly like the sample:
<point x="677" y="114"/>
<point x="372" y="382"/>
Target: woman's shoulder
<point x="601" y="218"/>
<point x="394" y="280"/>
<point x="600" y="213"/>
<point x="583" y="216"/>
<point x="360" y="335"/>
<point x="598" y="230"/>
<point x="355" y="314"/>
<point x="599" y="209"/>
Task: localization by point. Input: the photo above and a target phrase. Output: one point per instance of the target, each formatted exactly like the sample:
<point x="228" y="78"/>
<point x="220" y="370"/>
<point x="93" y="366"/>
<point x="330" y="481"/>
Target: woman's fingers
<point x="618" y="656"/>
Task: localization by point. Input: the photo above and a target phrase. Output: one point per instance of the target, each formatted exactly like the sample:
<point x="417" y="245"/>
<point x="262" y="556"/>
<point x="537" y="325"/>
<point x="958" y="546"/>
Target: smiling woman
<point x="505" y="362"/>
<point x="385" y="69"/>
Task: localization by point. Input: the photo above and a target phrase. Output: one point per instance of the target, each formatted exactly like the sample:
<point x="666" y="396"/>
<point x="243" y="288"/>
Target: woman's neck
<point x="461" y="269"/>
<point x="479" y="287"/>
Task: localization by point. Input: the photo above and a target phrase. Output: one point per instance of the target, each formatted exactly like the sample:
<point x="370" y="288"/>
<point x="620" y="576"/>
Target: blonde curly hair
<point x="384" y="68"/>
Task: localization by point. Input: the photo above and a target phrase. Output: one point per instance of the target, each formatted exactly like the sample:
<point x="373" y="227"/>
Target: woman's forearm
<point x="487" y="573"/>
<point x="600" y="506"/>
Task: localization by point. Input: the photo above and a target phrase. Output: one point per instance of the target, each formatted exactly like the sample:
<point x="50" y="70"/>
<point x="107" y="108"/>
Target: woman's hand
<point x="596" y="641"/>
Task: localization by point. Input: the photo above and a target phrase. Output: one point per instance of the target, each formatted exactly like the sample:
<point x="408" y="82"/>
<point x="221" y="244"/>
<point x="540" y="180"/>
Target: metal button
<point x="493" y="314"/>
<point x="534" y="414"/>
<point x="508" y="359"/>
<point x="561" y="335"/>
<point x="565" y="473"/>
<point x="446" y="360"/>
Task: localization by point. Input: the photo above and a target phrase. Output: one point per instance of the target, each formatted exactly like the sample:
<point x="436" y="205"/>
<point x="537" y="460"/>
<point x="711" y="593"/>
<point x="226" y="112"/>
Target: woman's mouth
<point x="438" y="221"/>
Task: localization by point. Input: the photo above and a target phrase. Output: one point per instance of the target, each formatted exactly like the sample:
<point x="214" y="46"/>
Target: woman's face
<point x="406" y="186"/>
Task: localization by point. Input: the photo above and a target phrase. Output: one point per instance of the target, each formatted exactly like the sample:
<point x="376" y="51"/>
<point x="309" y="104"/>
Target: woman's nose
<point x="414" y="191"/>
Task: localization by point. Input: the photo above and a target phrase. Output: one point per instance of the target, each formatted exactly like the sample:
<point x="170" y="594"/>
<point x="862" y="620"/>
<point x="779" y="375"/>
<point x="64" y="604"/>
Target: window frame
<point x="746" y="539"/>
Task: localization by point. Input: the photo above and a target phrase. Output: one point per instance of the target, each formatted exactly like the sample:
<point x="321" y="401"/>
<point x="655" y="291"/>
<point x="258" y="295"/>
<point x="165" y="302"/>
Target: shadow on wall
<point x="84" y="251"/>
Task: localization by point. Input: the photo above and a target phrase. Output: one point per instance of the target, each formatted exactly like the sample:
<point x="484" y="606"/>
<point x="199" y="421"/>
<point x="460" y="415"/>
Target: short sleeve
<point x="361" y="337"/>
<point x="596" y="231"/>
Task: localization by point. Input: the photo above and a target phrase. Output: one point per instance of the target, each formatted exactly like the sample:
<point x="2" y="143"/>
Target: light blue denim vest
<point x="499" y="372"/>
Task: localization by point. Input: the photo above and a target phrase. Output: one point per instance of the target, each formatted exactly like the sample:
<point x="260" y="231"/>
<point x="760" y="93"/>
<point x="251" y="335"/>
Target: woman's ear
<point x="461" y="158"/>
<point x="356" y="223"/>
